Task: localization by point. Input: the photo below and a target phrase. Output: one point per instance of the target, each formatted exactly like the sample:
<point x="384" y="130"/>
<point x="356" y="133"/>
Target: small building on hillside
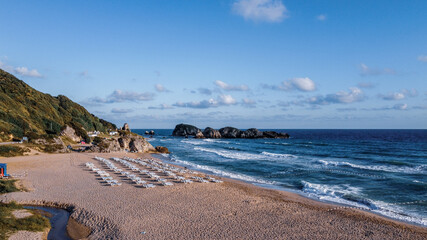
<point x="3" y="170"/>
<point x="112" y="133"/>
<point x="93" y="134"/>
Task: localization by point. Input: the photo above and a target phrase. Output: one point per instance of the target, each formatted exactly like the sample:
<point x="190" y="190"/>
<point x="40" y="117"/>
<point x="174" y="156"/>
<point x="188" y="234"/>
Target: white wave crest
<point x="277" y="143"/>
<point x="214" y="140"/>
<point x="193" y="142"/>
<point x="231" y="154"/>
<point x="418" y="169"/>
<point x="222" y="173"/>
<point x="335" y="193"/>
<point x="279" y="155"/>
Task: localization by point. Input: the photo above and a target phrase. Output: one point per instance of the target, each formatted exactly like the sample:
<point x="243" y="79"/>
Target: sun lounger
<point x="140" y="182"/>
<point x="186" y="181"/>
<point x="167" y="183"/>
<point x="148" y="186"/>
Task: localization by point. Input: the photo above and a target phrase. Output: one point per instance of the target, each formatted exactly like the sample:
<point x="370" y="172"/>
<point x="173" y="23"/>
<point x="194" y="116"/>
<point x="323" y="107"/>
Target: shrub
<point x="7" y="186"/>
<point x="12" y="151"/>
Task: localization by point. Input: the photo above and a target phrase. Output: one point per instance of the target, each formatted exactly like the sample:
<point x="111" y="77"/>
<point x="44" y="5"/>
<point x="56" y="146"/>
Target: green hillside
<point x="25" y="111"/>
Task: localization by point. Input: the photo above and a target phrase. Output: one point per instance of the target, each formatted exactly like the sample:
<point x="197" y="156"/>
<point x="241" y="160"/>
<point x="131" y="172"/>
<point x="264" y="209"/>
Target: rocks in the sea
<point x="184" y="130"/>
<point x="211" y="133"/>
<point x="161" y="149"/>
<point x="272" y="134"/>
<point x="230" y="132"/>
<point x="149" y="132"/>
<point x="252" y="133"/>
<point x="126" y="127"/>
<point x="199" y="135"/>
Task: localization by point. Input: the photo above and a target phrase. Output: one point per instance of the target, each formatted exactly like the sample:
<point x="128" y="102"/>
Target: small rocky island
<point x="185" y="130"/>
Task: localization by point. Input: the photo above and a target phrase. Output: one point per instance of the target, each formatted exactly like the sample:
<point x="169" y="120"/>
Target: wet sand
<point x="228" y="210"/>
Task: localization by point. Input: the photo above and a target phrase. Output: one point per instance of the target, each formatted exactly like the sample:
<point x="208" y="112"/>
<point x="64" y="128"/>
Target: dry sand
<point x="229" y="210"/>
<point x="27" y="235"/>
<point x="21" y="213"/>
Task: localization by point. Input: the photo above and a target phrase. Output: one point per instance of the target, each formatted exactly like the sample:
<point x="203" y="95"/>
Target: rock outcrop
<point x="184" y="130"/>
<point x="161" y="149"/>
<point x="71" y="134"/>
<point x="127" y="141"/>
<point x="121" y="144"/>
<point x="230" y="132"/>
<point x="199" y="135"/>
<point x="252" y="133"/>
<point x="126" y="127"/>
<point x="272" y="134"/>
<point x="211" y="133"/>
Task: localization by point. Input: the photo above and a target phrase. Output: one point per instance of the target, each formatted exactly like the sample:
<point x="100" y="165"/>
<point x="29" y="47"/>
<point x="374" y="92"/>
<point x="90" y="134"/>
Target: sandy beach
<point x="228" y="210"/>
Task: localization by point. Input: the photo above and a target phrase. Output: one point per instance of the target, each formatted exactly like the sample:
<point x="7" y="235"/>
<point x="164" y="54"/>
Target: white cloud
<point x="228" y="87"/>
<point x="261" y="10"/>
<point x="162" y="107"/>
<point x="23" y="71"/>
<point x="121" y="110"/>
<point x="403" y="106"/>
<point x="367" y="71"/>
<point x="122" y="96"/>
<point x="404" y="93"/>
<point x="222" y="100"/>
<point x="226" y="99"/>
<point x="353" y="95"/>
<point x="26" y="72"/>
<point x="160" y="88"/>
<point x="247" y="102"/>
<point x="321" y="17"/>
<point x="422" y="58"/>
<point x="301" y="84"/>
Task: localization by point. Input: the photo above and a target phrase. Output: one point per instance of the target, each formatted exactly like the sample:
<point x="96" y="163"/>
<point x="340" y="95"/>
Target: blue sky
<point x="244" y="63"/>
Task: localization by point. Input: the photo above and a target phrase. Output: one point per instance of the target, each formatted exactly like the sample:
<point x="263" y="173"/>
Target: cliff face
<point x="126" y="141"/>
<point x="25" y="111"/>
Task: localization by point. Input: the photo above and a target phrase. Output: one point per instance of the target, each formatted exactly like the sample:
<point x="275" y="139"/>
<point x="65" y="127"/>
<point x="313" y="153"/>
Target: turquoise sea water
<point x="382" y="171"/>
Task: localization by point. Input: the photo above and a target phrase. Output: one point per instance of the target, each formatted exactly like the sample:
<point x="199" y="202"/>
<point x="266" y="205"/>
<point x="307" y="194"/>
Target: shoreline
<point x="255" y="198"/>
<point x="338" y="205"/>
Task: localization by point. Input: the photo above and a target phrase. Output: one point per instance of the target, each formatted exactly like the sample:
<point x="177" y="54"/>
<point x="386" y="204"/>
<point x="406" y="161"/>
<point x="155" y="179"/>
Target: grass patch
<point x="9" y="224"/>
<point x="7" y="186"/>
<point x="12" y="151"/>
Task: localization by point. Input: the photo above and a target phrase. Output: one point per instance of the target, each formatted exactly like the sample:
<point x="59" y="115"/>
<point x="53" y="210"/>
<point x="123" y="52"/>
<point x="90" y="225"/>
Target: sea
<point x="381" y="171"/>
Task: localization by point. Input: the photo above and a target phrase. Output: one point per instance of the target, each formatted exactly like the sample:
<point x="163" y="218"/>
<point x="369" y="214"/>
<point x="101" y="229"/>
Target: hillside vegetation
<point x="25" y="111"/>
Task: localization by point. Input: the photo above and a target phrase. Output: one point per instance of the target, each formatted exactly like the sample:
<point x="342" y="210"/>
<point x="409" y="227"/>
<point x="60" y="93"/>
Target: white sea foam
<point x="214" y="140"/>
<point x="193" y="142"/>
<point x="335" y="193"/>
<point x="221" y="172"/>
<point x="279" y="155"/>
<point x="332" y="193"/>
<point x="277" y="143"/>
<point x="418" y="169"/>
<point x="231" y="154"/>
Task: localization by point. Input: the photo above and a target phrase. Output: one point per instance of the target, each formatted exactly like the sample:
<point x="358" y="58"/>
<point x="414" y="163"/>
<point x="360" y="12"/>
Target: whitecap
<point x="418" y="169"/>
<point x="279" y="155"/>
<point x="335" y="193"/>
<point x="230" y="154"/>
<point x="223" y="173"/>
